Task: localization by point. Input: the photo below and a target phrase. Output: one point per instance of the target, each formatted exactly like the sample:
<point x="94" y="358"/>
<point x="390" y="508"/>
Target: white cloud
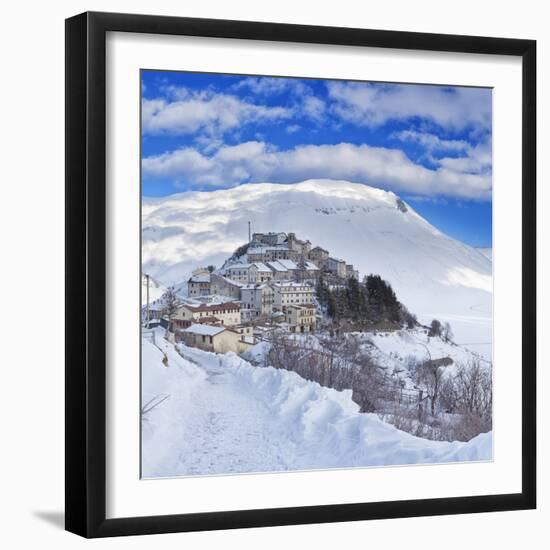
<point x="212" y="113"/>
<point x="266" y="85"/>
<point x="473" y="160"/>
<point x="293" y="128"/>
<point x="478" y="160"/>
<point x="304" y="102"/>
<point x="372" y="105"/>
<point x="431" y="142"/>
<point x="313" y="107"/>
<point x="257" y="161"/>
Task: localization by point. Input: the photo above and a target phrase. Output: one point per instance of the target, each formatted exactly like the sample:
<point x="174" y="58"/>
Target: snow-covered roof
<point x="256" y="249"/>
<point x="154" y="306"/>
<point x="215" y="299"/>
<point x="277" y="266"/>
<point x="311" y="266"/>
<point x="200" y="279"/>
<point x="230" y="281"/>
<point x="240" y="266"/>
<point x="261" y="266"/>
<point x="206" y="330"/>
<point x="288" y="264"/>
<point x="254" y="286"/>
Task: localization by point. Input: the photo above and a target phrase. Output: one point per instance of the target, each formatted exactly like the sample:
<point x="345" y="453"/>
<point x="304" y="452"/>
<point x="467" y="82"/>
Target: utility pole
<point x="147" y="310"/>
<point x="249" y="235"/>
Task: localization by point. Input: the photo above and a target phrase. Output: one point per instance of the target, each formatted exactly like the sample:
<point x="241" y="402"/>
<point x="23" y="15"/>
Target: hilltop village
<point x="267" y="284"/>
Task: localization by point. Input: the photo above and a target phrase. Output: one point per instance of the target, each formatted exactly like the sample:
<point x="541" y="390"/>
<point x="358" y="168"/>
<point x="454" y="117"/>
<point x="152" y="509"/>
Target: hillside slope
<point x="432" y="274"/>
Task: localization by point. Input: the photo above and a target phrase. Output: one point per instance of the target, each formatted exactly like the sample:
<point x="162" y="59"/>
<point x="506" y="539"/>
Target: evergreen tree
<point x="332" y="309"/>
<point x="354" y="296"/>
<point x="382" y="301"/>
<point x="322" y="291"/>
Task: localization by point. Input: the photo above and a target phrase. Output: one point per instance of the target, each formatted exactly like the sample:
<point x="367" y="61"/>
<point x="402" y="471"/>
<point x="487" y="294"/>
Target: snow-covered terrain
<point x="394" y="351"/>
<point x="488" y="252"/>
<point x="434" y="275"/>
<point x="395" y="348"/>
<point x="218" y="414"/>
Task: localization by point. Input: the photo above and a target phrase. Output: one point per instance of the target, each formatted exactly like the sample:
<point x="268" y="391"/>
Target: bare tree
<point x="474" y="388"/>
<point x="170" y="305"/>
<point x="435" y="328"/>
<point x="447" y="333"/>
<point x="429" y="376"/>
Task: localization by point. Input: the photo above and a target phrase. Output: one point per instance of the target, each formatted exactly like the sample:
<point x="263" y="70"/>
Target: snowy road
<point x="224" y="416"/>
<point x="212" y="425"/>
<point x="232" y="430"/>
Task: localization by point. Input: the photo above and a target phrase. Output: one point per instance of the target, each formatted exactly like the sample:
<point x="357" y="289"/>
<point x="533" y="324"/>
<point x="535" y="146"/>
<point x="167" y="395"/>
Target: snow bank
<point x="319" y="428"/>
<point x="167" y="382"/>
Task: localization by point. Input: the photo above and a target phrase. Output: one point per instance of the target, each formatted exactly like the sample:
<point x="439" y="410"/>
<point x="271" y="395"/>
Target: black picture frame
<point x="86" y="274"/>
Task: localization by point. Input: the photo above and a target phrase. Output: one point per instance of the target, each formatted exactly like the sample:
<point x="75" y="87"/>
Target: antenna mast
<point x="147" y="310"/>
<point x="249" y="235"/>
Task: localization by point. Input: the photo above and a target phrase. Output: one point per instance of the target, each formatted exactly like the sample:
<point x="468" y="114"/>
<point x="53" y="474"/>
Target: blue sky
<point x="429" y="144"/>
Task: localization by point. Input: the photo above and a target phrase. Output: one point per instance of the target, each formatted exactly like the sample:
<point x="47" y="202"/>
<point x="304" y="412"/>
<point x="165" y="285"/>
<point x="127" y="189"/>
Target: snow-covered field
<point x="396" y="347"/>
<point x="434" y="275"/>
<point x="218" y="414"/>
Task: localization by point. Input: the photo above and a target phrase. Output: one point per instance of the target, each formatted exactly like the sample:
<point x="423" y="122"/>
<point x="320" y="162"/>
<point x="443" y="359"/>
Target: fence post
<point x="420" y="393"/>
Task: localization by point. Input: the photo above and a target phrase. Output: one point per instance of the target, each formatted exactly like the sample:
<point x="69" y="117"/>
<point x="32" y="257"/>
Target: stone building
<point x="336" y="266"/>
<point x="319" y="256"/>
<point x="242" y="273"/>
<point x="278" y="271"/>
<point x="264" y="273"/>
<point x="301" y="318"/>
<point x="269" y="239"/>
<point x="217" y="339"/>
<point x="303" y="248"/>
<point x="256" y="301"/>
<point x="228" y="313"/>
<point x="224" y="286"/>
<point x="351" y="272"/>
<point x="288" y="293"/>
<point x="198" y="285"/>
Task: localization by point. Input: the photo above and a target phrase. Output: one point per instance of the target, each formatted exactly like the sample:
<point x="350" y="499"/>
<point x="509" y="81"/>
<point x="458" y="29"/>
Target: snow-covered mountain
<point x="432" y="274"/>
<point x="487" y="252"/>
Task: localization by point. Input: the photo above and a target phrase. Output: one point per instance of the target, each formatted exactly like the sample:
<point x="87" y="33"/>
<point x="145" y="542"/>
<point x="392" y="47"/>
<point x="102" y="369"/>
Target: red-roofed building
<point x="228" y="313"/>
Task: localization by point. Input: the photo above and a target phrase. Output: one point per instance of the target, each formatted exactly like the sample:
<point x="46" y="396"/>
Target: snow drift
<point x="222" y="415"/>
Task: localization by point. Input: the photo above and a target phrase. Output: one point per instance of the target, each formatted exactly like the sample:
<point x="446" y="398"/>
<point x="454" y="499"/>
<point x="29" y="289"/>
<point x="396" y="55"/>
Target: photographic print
<point x="316" y="274"/>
